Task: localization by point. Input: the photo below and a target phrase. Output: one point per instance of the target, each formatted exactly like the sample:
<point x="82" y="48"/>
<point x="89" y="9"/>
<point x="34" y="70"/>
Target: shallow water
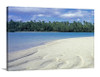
<point x="23" y="40"/>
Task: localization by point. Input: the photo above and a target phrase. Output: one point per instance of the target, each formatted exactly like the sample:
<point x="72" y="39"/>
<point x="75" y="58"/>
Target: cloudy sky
<point x="50" y="14"/>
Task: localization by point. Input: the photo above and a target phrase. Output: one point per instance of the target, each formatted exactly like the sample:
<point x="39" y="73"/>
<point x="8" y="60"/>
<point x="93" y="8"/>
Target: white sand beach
<point x="71" y="53"/>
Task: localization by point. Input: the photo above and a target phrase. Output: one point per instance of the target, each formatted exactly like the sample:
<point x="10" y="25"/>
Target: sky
<point x="50" y="14"/>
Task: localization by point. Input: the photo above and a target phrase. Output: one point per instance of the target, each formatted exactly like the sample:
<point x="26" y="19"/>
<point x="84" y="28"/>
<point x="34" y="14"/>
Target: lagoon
<point x="23" y="40"/>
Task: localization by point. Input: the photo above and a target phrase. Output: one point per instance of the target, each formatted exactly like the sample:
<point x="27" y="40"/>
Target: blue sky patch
<point x="50" y="14"/>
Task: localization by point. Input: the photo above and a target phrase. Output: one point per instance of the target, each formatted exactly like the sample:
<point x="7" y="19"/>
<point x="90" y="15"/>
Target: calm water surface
<point x="23" y="40"/>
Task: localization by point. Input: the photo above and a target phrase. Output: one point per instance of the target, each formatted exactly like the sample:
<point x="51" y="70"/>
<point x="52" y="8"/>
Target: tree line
<point x="13" y="26"/>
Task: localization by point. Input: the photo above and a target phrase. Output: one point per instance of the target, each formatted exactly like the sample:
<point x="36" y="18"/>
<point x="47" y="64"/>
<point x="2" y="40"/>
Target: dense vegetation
<point x="50" y="26"/>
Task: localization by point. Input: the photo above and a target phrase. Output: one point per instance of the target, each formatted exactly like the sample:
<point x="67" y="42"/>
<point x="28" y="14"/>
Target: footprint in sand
<point x="75" y="62"/>
<point x="69" y="63"/>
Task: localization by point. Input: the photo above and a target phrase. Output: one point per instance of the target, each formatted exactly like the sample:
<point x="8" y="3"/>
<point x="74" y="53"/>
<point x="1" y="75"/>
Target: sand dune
<point x="60" y="54"/>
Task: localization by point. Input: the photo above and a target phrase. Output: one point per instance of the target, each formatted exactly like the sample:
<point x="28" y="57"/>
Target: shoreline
<point x="47" y="31"/>
<point x="58" y="54"/>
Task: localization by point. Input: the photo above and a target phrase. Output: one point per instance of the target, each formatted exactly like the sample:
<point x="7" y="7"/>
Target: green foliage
<point x="50" y="26"/>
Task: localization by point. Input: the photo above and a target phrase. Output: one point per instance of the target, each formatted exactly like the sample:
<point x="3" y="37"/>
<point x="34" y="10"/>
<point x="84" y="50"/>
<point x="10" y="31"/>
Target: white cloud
<point x="78" y="19"/>
<point x="72" y="14"/>
<point x="37" y="16"/>
<point x="56" y="12"/>
<point x="23" y="9"/>
<point x="32" y="9"/>
<point x="16" y="18"/>
<point x="40" y="15"/>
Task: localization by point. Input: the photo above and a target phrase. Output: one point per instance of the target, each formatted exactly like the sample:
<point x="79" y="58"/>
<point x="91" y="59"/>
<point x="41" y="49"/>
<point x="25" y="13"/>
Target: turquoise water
<point x="23" y="40"/>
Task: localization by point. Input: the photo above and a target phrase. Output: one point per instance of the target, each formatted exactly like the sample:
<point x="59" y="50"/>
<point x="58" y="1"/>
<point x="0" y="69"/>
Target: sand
<point x="71" y="53"/>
